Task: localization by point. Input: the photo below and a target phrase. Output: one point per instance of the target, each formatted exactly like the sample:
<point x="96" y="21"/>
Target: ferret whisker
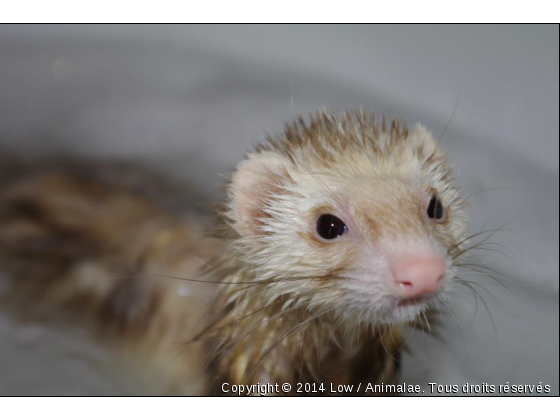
<point x="491" y="273"/>
<point x="421" y="324"/>
<point x="472" y="290"/>
<point x="485" y="269"/>
<point x="487" y="248"/>
<point x="474" y="284"/>
<point x="208" y="331"/>
<point x="323" y="288"/>
<point x="273" y="318"/>
<point x="460" y="331"/>
<point x="282" y="337"/>
<point x="301" y="354"/>
<point x="403" y="345"/>
<point x="491" y="189"/>
<point x="225" y="343"/>
<point x="316" y="332"/>
<point x="491" y="233"/>
<point x="478" y="282"/>
<point x="497" y="280"/>
<point x="204" y="263"/>
<point x="225" y="295"/>
<point x="312" y="292"/>
<point x="486" y="306"/>
<point x="164" y="276"/>
<point x="440" y="313"/>
<point x="499" y="245"/>
<point x="182" y="351"/>
<point x="466" y="301"/>
<point x="385" y="347"/>
<point x="335" y="328"/>
<point x="255" y="282"/>
<point x="220" y="297"/>
<point x="450" y="119"/>
<point x="392" y="336"/>
<point x="427" y="322"/>
<point x="253" y="285"/>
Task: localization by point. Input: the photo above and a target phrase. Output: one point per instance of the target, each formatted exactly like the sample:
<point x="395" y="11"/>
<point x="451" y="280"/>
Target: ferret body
<point x="332" y="235"/>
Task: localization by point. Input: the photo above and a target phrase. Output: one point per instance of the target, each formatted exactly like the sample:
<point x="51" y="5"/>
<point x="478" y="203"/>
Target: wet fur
<point x="275" y="314"/>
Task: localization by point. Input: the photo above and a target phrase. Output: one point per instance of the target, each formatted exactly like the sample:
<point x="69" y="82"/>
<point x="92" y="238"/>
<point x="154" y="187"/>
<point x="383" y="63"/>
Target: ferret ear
<point x="255" y="180"/>
<point x="429" y="147"/>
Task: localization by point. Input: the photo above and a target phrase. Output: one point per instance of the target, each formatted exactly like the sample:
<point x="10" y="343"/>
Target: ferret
<point x="333" y="235"/>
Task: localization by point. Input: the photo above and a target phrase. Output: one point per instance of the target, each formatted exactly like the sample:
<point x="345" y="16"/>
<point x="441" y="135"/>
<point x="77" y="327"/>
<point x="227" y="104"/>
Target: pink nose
<point x="418" y="276"/>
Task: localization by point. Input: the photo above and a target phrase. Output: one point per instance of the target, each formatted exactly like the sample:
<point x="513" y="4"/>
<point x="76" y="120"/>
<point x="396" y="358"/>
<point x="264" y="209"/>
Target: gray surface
<point x="190" y="100"/>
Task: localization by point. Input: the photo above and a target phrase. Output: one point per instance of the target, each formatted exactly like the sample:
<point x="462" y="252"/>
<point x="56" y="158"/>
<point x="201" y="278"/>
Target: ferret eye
<point x="330" y="227"/>
<point x="435" y="209"/>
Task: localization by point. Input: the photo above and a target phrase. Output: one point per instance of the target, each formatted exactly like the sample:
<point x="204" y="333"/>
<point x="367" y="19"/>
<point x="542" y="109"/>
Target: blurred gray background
<point x="189" y="100"/>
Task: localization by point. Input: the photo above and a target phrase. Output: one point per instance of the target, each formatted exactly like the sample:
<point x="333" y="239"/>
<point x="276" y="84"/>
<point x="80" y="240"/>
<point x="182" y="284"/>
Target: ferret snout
<point x="417" y="274"/>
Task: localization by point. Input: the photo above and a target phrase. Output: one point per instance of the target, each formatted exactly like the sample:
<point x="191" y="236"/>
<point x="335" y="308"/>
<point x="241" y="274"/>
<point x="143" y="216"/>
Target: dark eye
<point x="330" y="227"/>
<point x="435" y="209"/>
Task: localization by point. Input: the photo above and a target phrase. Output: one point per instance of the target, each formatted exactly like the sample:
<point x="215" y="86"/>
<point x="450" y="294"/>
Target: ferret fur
<point x="265" y="299"/>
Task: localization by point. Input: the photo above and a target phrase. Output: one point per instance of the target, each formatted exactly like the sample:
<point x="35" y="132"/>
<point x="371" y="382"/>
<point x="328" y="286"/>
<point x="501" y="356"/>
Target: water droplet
<point x="183" y="290"/>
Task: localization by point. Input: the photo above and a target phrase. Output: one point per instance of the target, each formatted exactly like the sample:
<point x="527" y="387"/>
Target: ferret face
<point x="365" y="226"/>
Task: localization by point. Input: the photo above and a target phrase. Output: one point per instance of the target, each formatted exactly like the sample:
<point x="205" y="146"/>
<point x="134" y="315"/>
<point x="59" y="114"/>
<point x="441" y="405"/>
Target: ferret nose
<point x="415" y="276"/>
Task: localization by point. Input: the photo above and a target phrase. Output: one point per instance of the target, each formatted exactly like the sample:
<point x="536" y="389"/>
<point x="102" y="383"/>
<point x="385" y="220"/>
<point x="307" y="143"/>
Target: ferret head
<point x="343" y="214"/>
